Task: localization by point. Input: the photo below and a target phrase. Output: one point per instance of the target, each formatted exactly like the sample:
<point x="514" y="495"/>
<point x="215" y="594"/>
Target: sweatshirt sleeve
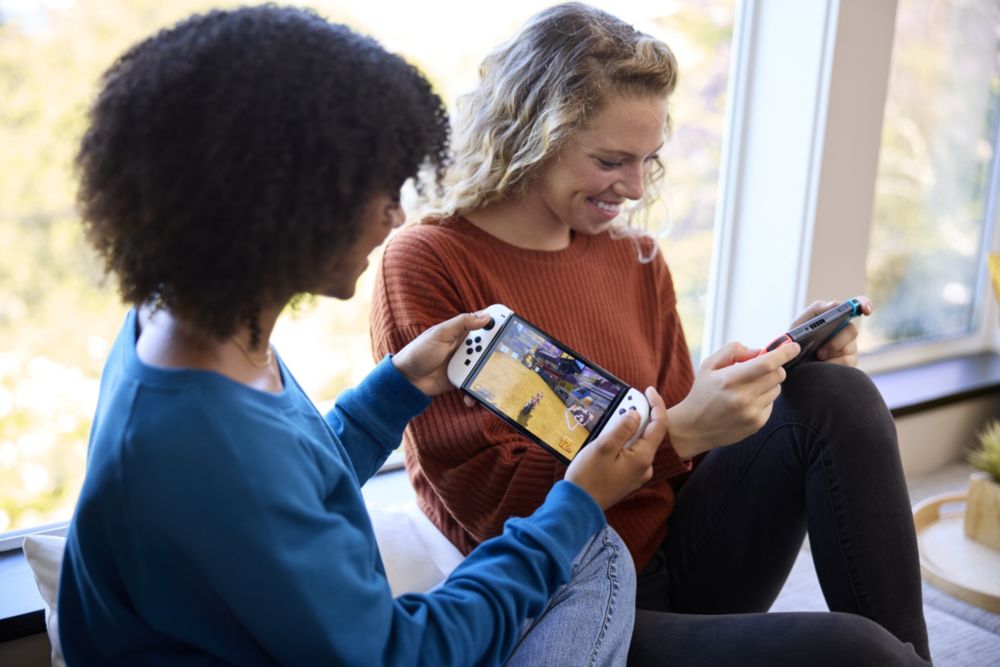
<point x="369" y="419"/>
<point x="296" y="571"/>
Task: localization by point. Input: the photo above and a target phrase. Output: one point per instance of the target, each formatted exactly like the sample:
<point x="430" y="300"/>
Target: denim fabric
<point x="827" y="462"/>
<point x="589" y="621"/>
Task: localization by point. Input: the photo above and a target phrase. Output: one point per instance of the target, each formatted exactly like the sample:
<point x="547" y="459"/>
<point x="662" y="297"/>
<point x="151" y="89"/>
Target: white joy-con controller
<point x="476" y="344"/>
<point x="634" y="401"/>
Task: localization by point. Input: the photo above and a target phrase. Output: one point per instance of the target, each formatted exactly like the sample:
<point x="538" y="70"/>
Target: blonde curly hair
<point x="535" y="91"/>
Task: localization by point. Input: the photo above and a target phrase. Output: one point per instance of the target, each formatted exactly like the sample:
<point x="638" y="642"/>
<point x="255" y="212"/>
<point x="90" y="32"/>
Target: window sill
<point x="906" y="391"/>
<point x="918" y="388"/>
<point x="21" y="607"/>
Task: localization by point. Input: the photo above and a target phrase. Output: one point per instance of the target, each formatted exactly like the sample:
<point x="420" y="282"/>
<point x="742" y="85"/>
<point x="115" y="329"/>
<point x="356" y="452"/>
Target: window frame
<point x="823" y="178"/>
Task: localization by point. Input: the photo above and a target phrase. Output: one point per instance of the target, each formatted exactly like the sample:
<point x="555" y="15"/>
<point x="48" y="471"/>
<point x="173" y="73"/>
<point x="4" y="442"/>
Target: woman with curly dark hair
<point x="233" y="162"/>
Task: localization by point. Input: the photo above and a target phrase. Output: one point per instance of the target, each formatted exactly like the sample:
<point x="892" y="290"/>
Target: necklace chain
<point x="256" y="361"/>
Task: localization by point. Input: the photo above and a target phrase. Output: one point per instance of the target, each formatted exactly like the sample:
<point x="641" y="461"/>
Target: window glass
<point x="59" y="315"/>
<point x="700" y="34"/>
<point x="933" y="192"/>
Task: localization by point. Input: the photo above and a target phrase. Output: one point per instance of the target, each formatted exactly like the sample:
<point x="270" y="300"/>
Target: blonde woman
<point x="551" y="152"/>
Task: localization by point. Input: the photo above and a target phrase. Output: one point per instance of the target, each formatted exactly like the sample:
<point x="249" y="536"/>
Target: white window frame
<point x="797" y="179"/>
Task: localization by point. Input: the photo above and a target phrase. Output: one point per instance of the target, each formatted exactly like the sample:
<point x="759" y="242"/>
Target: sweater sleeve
<point x="675" y="377"/>
<point x="452" y="446"/>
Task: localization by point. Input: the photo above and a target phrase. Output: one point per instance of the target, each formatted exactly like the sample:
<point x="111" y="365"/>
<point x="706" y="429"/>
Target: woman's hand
<point x="842" y="348"/>
<point x="607" y="469"/>
<point x="731" y="398"/>
<point x="424" y="361"/>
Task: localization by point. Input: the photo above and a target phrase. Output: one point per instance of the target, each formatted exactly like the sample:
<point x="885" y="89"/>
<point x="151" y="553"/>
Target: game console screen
<point x="549" y="392"/>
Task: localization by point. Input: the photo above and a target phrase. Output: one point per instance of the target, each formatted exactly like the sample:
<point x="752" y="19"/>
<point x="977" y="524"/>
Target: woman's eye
<point x="608" y="164"/>
<point x="653" y="158"/>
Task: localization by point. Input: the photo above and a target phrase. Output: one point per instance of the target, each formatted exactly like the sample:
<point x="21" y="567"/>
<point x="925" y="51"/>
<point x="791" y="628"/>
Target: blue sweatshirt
<point x="223" y="525"/>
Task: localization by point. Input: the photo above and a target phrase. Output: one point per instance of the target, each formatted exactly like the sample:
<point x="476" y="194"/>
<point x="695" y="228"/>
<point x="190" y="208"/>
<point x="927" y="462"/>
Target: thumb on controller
<point x="621" y="432"/>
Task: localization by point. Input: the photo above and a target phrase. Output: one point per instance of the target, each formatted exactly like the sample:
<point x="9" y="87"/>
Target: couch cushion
<point x="44" y="554"/>
<point x="417" y="557"/>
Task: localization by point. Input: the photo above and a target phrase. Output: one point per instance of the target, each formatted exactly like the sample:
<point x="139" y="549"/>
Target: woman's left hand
<point x="843" y="347"/>
<point x="424" y="361"/>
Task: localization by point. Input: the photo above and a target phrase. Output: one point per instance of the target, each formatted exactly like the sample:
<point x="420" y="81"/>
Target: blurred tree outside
<point x="700" y="34"/>
<point x="59" y="313"/>
<point x="938" y="142"/>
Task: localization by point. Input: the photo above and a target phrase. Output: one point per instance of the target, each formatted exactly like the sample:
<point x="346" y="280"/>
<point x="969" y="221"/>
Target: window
<point x="799" y="215"/>
<point x="937" y="179"/>
<point x="58" y="318"/>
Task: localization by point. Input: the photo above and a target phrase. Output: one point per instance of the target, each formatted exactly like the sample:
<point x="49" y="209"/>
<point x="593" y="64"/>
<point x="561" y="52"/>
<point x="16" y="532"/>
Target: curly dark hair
<point x="228" y="158"/>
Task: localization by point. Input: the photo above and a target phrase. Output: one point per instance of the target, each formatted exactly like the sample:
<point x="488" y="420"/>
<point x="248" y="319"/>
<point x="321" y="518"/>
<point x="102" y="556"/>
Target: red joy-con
<point x="783" y="339"/>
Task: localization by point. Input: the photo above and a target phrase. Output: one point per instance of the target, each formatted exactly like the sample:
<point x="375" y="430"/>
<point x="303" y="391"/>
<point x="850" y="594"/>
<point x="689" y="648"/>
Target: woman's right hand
<point x="730" y="400"/>
<point x="607" y="469"/>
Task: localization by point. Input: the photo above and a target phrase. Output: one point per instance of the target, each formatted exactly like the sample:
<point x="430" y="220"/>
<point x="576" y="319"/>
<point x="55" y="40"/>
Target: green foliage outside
<point x="938" y="140"/>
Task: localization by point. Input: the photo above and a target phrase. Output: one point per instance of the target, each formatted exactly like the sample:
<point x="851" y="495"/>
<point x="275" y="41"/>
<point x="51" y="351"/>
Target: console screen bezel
<point x="493" y="348"/>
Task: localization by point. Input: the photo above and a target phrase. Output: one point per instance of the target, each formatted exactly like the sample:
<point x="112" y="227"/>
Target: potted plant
<point x="982" y="510"/>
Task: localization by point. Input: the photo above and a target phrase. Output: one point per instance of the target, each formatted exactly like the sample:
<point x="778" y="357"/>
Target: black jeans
<point x="827" y="461"/>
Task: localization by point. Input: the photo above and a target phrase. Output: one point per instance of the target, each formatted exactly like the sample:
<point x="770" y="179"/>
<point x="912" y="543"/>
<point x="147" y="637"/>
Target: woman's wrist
<point x="402" y="364"/>
<point x="684" y="440"/>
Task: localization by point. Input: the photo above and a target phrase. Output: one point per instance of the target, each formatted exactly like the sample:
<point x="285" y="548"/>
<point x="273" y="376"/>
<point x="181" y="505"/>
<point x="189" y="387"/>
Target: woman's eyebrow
<point x="625" y="154"/>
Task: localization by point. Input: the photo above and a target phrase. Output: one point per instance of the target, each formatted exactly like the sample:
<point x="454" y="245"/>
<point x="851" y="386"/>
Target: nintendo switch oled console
<point x="540" y="386"/>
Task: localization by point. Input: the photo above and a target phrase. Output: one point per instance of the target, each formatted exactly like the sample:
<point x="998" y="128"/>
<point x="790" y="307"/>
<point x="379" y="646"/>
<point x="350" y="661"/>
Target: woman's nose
<point x="630" y="185"/>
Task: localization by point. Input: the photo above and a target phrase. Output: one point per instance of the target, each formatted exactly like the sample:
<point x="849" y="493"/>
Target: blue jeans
<point x="588" y="622"/>
<point x="827" y="462"/>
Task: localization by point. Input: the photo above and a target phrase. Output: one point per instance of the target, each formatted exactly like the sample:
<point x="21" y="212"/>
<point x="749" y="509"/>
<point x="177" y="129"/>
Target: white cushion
<point x="417" y="557"/>
<point x="44" y="554"/>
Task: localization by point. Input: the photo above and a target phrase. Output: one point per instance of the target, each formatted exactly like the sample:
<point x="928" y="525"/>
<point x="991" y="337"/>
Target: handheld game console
<point x="540" y="386"/>
<point x="816" y="332"/>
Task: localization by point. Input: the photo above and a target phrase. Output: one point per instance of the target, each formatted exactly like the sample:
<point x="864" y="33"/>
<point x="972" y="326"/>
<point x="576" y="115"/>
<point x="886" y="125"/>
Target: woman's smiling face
<point x="585" y="185"/>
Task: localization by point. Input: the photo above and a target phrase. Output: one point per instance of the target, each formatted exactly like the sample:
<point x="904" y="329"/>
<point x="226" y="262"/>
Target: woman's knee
<point x="850" y="639"/>
<point x="607" y="560"/>
<point x="821" y="384"/>
<point x="838" y="399"/>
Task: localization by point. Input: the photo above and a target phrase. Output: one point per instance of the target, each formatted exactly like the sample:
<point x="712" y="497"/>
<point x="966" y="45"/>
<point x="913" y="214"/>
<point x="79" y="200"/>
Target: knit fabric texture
<point x="471" y="470"/>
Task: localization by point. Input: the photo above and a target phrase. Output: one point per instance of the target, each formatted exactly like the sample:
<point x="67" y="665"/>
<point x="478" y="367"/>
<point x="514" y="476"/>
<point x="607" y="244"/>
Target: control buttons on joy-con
<point x="476" y="345"/>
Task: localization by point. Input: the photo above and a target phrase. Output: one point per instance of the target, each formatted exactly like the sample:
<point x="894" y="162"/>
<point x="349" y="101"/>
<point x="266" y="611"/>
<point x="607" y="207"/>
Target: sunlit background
<point x="939" y="133"/>
<point x="58" y="314"/>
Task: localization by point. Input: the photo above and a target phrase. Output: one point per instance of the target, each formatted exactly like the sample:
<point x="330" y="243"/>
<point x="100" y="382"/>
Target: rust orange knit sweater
<point x="471" y="471"/>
